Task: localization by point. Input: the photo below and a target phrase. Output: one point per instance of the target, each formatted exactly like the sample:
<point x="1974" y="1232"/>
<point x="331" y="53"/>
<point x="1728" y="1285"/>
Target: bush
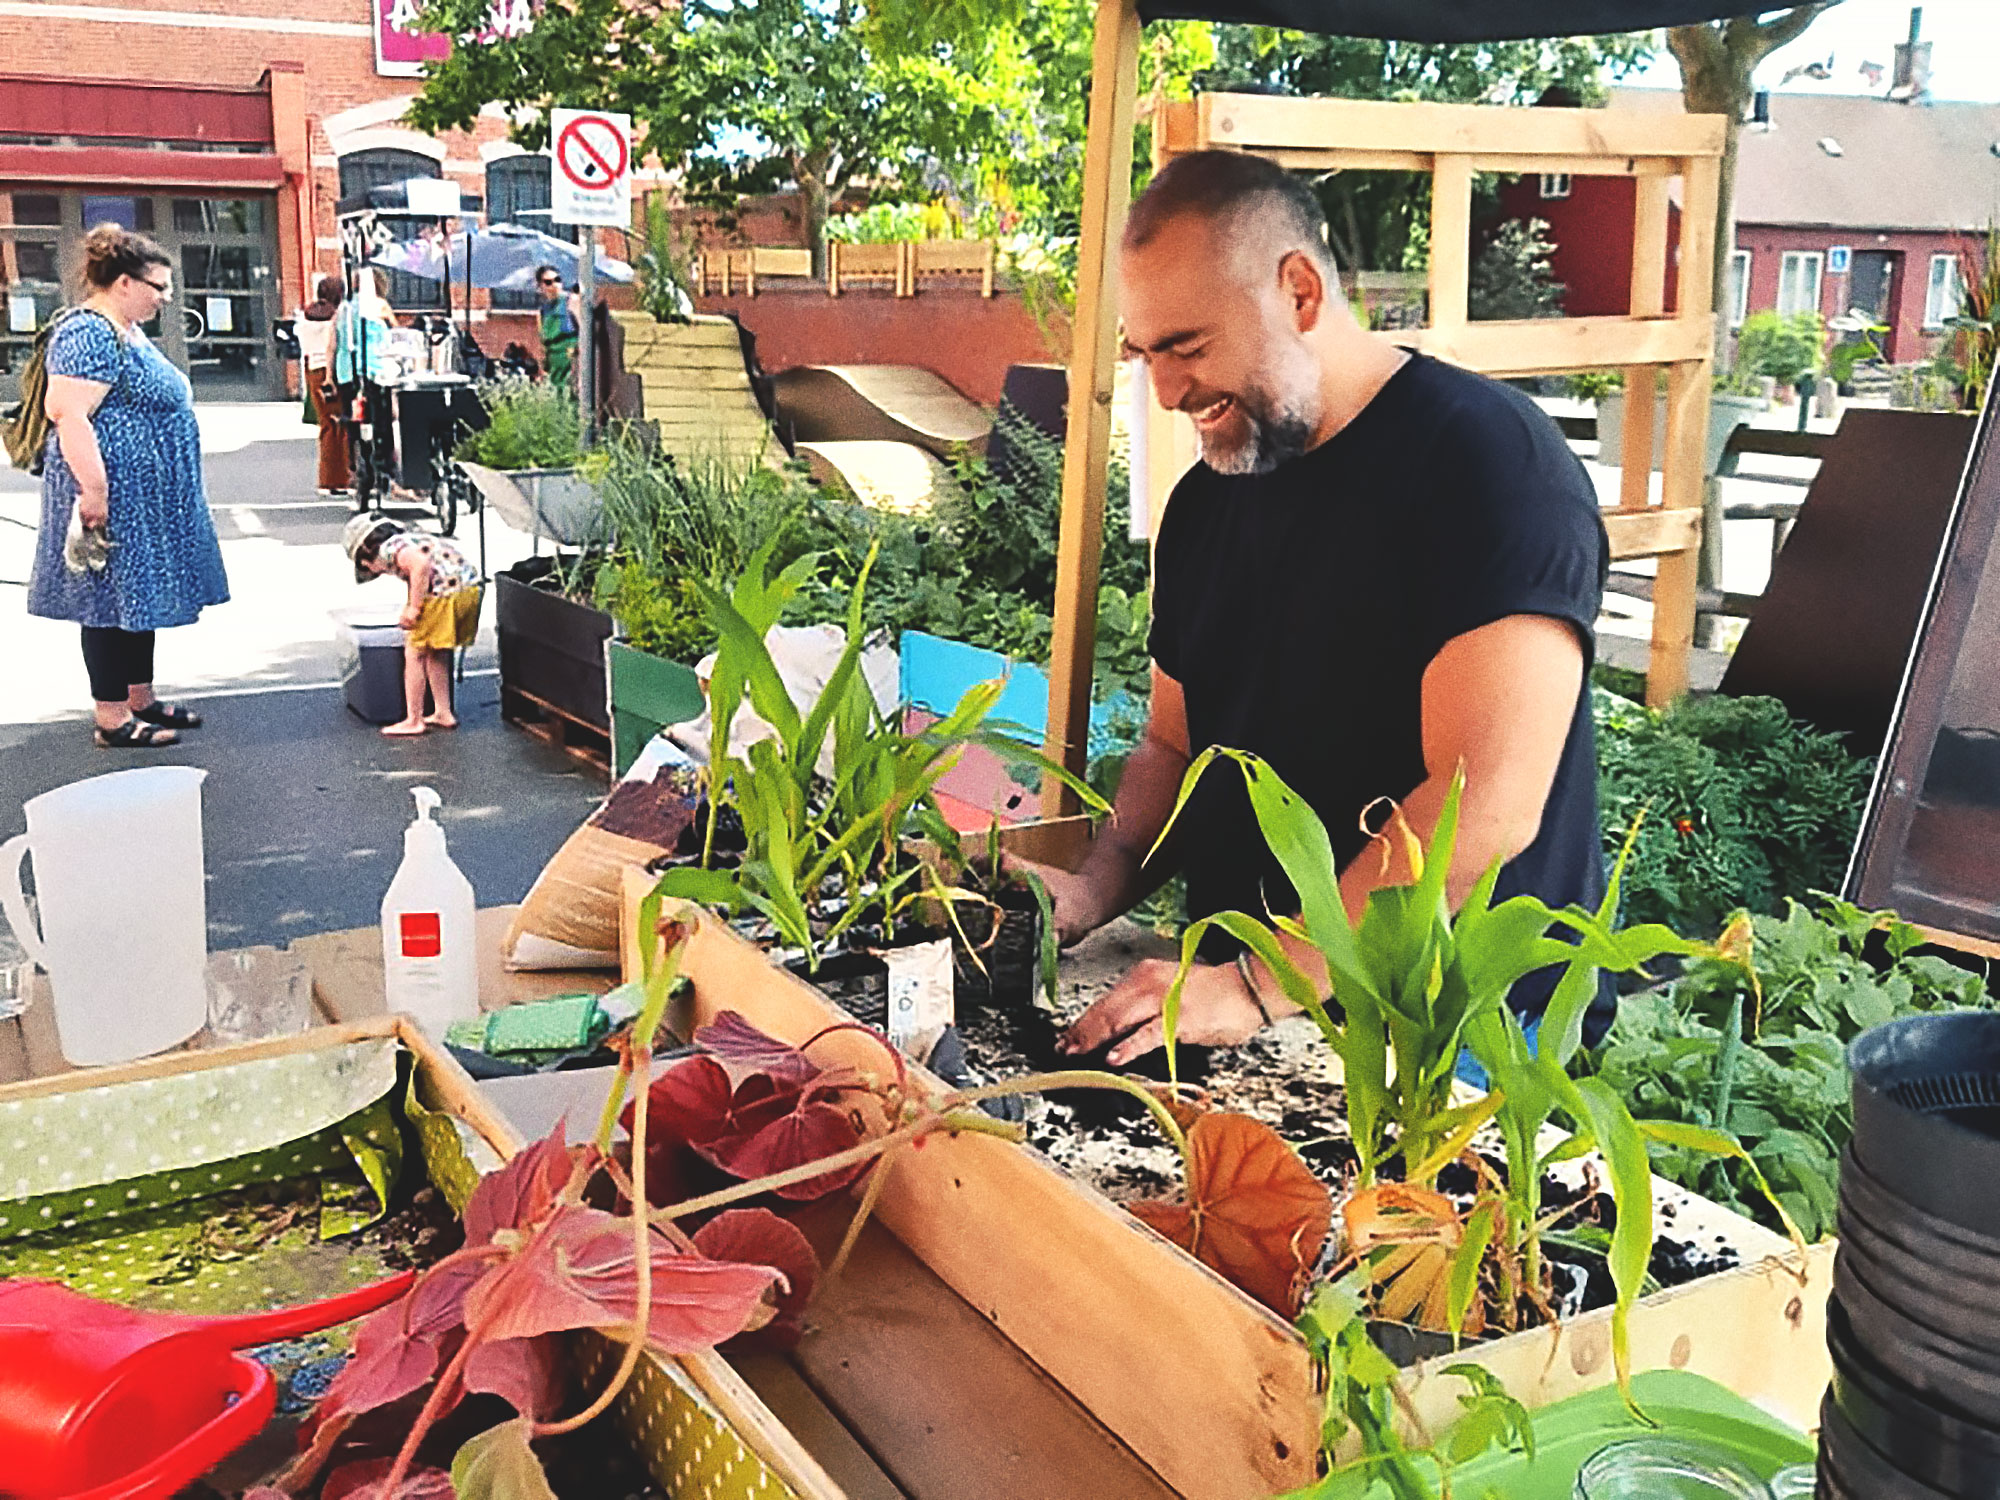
<point x="1783" y="346"/>
<point x="1511" y="277"/>
<point x="1743" y="806"/>
<point x="531" y="424"/>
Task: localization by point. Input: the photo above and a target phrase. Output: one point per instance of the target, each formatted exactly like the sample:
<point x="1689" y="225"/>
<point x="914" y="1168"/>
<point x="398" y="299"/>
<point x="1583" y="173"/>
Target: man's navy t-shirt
<point x="1299" y="609"/>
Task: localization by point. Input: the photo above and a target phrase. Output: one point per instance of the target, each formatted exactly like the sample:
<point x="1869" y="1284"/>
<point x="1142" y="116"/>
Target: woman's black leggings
<point x="116" y="659"/>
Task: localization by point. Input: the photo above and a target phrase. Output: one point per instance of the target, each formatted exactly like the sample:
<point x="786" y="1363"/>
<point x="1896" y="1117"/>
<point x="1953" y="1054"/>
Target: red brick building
<point x="228" y="130"/>
<point x="1842" y="202"/>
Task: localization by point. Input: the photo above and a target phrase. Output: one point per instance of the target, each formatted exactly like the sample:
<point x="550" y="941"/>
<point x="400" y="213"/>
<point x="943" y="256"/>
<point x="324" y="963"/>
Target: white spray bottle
<point x="430" y="966"/>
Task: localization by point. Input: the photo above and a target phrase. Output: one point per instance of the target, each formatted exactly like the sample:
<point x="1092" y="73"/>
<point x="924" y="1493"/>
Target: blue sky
<point x="1965" y="51"/>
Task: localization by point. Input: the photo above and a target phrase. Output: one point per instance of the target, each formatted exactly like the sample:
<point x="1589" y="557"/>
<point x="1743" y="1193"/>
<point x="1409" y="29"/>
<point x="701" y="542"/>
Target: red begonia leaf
<point x="400" y="1347"/>
<point x="579" y="1272"/>
<point x="749" y="1050"/>
<point x="367" y="1479"/>
<point x="1255" y="1212"/>
<point x="525" y="1373"/>
<point x="756" y="1236"/>
<point x="521" y="1191"/>
<point x="697" y="1101"/>
<point x="806" y="1134"/>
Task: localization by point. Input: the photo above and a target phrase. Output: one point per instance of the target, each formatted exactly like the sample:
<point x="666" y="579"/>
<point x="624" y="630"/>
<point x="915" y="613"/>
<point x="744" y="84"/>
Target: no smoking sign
<point x="592" y="176"/>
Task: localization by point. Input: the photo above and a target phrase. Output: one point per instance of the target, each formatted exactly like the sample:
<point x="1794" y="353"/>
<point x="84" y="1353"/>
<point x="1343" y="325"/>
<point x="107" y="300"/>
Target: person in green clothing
<point x="560" y="314"/>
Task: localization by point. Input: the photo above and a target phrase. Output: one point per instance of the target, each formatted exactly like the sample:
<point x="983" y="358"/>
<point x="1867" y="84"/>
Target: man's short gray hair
<point x="1242" y="192"/>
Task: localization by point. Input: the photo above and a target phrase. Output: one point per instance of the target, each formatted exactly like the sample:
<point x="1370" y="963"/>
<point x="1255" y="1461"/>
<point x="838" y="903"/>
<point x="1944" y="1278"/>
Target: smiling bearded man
<point x="1384" y="568"/>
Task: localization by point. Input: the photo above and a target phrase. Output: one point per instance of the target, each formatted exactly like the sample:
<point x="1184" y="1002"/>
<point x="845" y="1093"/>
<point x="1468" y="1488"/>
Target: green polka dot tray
<point x="255" y="1184"/>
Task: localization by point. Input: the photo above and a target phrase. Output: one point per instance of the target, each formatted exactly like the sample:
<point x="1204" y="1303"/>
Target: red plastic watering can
<point x="99" y="1402"/>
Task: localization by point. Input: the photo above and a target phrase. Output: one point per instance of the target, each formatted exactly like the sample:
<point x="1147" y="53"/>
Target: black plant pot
<point x="551" y="646"/>
<point x="1851" y="1470"/>
<point x="999" y="968"/>
<point x="857" y="982"/>
<point x="1948" y="1452"/>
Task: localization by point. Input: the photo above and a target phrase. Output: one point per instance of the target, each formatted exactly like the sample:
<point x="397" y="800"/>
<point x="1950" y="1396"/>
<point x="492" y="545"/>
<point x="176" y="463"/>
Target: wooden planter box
<point x="552" y="673"/>
<point x="1207" y="1389"/>
<point x="648" y="693"/>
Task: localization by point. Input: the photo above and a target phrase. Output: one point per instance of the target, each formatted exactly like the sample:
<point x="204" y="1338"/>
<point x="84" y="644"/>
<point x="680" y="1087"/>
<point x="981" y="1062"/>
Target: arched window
<point x="517" y="192"/>
<point x="361" y="170"/>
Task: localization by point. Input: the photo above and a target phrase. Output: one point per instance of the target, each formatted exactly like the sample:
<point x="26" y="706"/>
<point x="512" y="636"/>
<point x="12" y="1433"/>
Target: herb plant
<point x="531" y="424"/>
<point x="1753" y="1043"/>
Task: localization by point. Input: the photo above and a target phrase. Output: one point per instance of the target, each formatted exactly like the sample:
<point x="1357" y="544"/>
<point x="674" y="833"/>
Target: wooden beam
<point x="1254" y="122"/>
<point x="1552" y="345"/>
<point x="1304" y="158"/>
<point x="1652" y="532"/>
<point x="1680" y="489"/>
<point x="1107" y="182"/>
<point x="1648" y="294"/>
<point x="1451" y="246"/>
<point x="1176" y="129"/>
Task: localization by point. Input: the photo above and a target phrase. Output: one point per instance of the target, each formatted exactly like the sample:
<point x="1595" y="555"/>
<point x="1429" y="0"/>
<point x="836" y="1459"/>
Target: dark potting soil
<point x="1283" y="1076"/>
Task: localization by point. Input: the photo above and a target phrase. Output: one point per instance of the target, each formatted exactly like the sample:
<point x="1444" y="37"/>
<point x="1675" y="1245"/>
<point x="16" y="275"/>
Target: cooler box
<point x="371" y="662"/>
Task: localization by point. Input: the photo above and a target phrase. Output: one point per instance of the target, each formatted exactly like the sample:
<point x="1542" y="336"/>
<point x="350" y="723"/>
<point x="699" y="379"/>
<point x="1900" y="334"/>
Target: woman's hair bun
<point x="111" y="251"/>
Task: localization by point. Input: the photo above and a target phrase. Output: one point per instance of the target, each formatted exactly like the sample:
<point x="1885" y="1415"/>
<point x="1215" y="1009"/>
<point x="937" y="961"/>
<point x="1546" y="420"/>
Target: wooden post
<point x="1107" y="178"/>
<point x="1648" y="294"/>
<point x="1451" y="241"/>
<point x="833" y="268"/>
<point x="1687" y="438"/>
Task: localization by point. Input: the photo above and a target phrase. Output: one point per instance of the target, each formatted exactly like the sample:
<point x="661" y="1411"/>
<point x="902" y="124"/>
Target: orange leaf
<point x="1255" y="1212"/>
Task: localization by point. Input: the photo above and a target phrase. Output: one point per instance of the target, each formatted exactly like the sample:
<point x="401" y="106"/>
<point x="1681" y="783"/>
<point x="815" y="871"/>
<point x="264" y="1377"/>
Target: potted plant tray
<point x="647" y="693"/>
<point x="552" y="671"/>
<point x="693" y="1422"/>
<point x="1208" y="1389"/>
<point x="555" y="504"/>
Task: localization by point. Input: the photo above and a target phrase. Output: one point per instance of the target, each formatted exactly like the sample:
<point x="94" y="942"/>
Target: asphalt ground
<point x="304" y="803"/>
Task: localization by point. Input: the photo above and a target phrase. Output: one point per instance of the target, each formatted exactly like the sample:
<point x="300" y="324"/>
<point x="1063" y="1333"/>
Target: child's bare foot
<point x="441" y="721"/>
<point x="404" y="728"/>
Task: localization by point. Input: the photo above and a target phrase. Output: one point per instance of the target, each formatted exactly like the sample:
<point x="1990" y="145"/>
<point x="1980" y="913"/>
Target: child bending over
<point x="440" y="616"/>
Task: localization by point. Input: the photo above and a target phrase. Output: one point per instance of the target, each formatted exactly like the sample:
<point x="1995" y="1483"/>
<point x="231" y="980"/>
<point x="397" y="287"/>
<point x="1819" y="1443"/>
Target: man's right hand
<point x="94" y="509"/>
<point x="1079" y="904"/>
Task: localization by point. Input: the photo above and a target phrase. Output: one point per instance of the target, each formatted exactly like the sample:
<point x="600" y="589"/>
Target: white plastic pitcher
<point x="123" y="906"/>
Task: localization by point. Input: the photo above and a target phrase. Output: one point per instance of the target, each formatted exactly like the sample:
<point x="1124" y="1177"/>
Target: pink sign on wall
<point x="402" y="47"/>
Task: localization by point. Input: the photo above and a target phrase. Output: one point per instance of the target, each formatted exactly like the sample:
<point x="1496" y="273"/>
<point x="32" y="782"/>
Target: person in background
<point x="363" y="365"/>
<point x="561" y="315"/>
<point x="123" y="459"/>
<point x="440" y="616"/>
<point x="314" y="329"/>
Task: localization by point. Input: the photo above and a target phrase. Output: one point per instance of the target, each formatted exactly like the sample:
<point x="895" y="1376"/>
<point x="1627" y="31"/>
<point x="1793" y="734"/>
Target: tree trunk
<point x="1717" y="62"/>
<point x="810" y="174"/>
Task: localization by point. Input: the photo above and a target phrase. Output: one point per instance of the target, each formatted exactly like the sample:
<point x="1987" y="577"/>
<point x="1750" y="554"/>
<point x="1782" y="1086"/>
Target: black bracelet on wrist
<point x="1249" y="979"/>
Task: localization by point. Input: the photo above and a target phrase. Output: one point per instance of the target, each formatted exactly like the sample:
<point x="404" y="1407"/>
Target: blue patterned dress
<point x="166" y="565"/>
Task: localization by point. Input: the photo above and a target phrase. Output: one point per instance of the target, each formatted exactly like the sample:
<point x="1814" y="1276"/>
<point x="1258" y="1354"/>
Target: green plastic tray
<point x="1684" y="1405"/>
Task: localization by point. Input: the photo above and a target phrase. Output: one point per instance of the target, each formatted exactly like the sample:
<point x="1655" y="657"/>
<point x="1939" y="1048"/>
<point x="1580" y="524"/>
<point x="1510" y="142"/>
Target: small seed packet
<point x="920" y="991"/>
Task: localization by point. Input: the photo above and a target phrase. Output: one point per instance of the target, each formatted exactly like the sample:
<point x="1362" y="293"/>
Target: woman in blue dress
<point x="124" y="457"/>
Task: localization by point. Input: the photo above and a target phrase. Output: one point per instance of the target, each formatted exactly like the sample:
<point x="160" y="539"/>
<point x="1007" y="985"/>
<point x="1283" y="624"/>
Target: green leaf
<point x="1463" y="1283"/>
<point x="1624" y="1151"/>
<point x="499" y="1465"/>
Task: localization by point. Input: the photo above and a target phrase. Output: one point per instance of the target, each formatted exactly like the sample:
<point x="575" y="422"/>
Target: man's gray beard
<point x="1276" y="438"/>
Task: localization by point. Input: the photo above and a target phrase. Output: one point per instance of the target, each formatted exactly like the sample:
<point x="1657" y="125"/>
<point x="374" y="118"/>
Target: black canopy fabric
<point x="1453" y="20"/>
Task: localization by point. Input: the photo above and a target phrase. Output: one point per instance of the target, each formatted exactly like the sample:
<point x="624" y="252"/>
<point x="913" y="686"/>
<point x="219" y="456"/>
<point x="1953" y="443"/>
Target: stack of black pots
<point x="1914" y="1323"/>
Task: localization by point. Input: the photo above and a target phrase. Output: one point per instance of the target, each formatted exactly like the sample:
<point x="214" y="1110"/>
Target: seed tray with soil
<point x="1285" y="1077"/>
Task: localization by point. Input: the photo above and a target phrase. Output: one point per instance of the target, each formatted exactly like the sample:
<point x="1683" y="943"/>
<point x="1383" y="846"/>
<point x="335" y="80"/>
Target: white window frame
<point x="1936" y="314"/>
<point x="1555" y="185"/>
<point x="1740" y="262"/>
<point x="1817" y="259"/>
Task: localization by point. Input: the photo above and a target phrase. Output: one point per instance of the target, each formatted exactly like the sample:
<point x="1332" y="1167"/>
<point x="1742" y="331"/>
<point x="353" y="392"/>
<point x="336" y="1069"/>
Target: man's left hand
<point x="1216" y="1011"/>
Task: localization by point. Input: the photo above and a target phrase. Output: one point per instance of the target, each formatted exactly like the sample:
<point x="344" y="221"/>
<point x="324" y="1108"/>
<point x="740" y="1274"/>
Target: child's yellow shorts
<point x="448" y="622"/>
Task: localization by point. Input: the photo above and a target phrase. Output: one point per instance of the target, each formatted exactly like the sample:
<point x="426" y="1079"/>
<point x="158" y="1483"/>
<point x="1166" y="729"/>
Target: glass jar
<point x="1663" y="1468"/>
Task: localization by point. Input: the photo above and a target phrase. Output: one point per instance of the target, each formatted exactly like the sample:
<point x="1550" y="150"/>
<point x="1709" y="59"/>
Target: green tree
<point x="743" y="92"/>
<point x="1377" y="219"/>
<point x="1717" y="59"/>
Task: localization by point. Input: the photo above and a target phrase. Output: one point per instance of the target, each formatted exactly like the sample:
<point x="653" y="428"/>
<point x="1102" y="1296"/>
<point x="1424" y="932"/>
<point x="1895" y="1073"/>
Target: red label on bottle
<point x="421" y="933"/>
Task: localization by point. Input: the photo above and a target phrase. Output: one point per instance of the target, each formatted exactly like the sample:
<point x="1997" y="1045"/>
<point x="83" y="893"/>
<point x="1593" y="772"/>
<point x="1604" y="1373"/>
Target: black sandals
<point x="168" y="716"/>
<point x="134" y="734"/>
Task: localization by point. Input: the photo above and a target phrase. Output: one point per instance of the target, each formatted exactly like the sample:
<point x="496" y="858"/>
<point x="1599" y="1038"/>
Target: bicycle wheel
<point x="444" y="499"/>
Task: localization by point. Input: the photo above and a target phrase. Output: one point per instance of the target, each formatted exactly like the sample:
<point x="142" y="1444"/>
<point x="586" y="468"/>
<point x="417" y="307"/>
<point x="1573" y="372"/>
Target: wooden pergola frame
<point x="1452" y="142"/>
